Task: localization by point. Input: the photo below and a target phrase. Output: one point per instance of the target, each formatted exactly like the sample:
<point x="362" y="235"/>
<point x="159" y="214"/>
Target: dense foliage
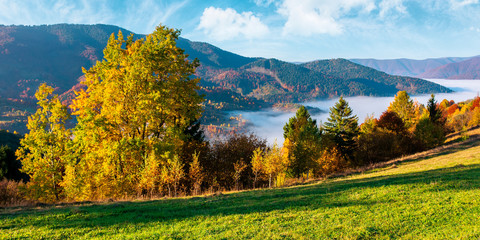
<point x="303" y="138"/>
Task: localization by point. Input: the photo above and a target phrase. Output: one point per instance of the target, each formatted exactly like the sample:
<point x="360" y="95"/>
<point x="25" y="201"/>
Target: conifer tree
<point x="304" y="136"/>
<point x="435" y="114"/>
<point x="342" y="126"/>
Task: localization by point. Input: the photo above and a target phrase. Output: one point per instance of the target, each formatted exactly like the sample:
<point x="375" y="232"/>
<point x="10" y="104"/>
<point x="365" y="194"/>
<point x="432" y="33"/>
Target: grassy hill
<point x="432" y="195"/>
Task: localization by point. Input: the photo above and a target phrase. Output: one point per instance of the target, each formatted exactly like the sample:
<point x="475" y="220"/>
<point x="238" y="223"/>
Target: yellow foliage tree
<point x="43" y="149"/>
<point x="330" y="162"/>
<point x="138" y="102"/>
<point x="172" y="173"/>
<point x="196" y="173"/>
<point x="257" y="164"/>
<point x="276" y="163"/>
<point x="405" y="108"/>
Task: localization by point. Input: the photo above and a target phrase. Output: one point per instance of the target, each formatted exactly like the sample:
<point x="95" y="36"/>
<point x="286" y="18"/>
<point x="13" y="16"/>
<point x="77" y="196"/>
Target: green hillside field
<point x="432" y="195"/>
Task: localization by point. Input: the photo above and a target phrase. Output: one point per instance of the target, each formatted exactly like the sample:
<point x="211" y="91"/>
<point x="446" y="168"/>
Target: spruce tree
<point x="434" y="113"/>
<point x="342" y="126"/>
<point x="304" y="136"/>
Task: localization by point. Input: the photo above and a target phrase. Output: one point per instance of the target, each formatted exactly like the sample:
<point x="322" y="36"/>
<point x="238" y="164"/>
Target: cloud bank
<point x="311" y="17"/>
<point x="224" y="24"/>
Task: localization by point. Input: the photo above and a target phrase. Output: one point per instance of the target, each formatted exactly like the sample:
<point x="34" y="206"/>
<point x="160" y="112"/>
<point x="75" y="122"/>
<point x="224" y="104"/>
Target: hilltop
<point x="438" y="68"/>
<point x="430" y="195"/>
<point x="55" y="54"/>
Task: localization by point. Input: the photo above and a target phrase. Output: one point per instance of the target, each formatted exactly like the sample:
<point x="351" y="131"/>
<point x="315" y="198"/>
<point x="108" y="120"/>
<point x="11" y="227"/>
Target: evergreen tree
<point x="342" y="126"/>
<point x="304" y="140"/>
<point x="435" y="114"/>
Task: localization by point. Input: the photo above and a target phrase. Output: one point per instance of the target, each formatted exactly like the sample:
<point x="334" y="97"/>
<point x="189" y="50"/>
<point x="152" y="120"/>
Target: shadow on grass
<point x="311" y="197"/>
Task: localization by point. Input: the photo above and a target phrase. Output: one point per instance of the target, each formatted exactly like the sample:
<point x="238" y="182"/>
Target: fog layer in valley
<point x="269" y="124"/>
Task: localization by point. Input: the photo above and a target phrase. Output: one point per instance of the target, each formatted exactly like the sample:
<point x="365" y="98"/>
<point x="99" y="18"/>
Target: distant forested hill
<point x="439" y="68"/>
<point x="407" y="67"/>
<point x="55" y="54"/>
<point x="467" y="69"/>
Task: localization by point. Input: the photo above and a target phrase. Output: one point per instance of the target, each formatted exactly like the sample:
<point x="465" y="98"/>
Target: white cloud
<point x="264" y="3"/>
<point x="228" y="24"/>
<point x="475" y="29"/>
<point x="455" y="4"/>
<point x="386" y="6"/>
<point x="140" y="18"/>
<point x="310" y="17"/>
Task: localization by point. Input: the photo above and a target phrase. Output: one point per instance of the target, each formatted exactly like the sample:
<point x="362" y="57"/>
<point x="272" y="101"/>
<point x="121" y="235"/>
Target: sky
<point x="290" y="30"/>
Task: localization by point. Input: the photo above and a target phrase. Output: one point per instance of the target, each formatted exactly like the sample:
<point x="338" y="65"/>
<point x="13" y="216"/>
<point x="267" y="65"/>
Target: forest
<point x="138" y="135"/>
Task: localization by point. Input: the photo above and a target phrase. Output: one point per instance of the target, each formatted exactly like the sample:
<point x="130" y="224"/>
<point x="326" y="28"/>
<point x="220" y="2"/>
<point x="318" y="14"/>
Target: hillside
<point x="468" y="69"/>
<point x="432" y="195"/>
<point x="273" y="80"/>
<point x="369" y="78"/>
<point x="55" y="54"/>
<point x="407" y="67"/>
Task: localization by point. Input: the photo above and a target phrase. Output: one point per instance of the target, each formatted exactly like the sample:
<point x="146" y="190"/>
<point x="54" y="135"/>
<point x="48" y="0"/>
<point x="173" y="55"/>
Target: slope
<point x="406" y="67"/>
<point x="369" y="77"/>
<point x="468" y="69"/>
<point x="435" y="196"/>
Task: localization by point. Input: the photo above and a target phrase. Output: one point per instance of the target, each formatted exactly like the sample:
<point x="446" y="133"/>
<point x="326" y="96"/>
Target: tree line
<point x="138" y="133"/>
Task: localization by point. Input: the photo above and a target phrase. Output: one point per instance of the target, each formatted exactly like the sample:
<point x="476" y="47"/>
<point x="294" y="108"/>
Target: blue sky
<point x="291" y="30"/>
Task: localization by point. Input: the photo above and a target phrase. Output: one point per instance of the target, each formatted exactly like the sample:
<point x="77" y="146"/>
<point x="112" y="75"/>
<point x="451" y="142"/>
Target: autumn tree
<point x="258" y="164"/>
<point x="330" y="161"/>
<point x="342" y="127"/>
<point x="404" y="107"/>
<point x="43" y="149"/>
<point x="225" y="154"/>
<point x="138" y="102"/>
<point x="304" y="137"/>
<point x="430" y="132"/>
<point x="239" y="167"/>
<point x="196" y="173"/>
<point x="276" y="164"/>
<point x="172" y="173"/>
<point x="391" y="121"/>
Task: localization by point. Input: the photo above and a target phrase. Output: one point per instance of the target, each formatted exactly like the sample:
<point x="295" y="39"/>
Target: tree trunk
<point x="270" y="181"/>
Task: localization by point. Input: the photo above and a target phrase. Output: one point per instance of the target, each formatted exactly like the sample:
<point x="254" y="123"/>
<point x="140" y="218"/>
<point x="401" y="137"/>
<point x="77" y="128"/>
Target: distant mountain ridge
<point x="55" y="54"/>
<point x="448" y="67"/>
<point x="467" y="69"/>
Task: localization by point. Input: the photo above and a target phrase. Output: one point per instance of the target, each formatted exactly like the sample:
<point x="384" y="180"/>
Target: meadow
<point x="432" y="195"/>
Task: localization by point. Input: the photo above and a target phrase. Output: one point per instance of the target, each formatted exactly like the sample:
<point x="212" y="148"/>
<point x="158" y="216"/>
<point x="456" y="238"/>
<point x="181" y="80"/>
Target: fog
<point x="269" y="124"/>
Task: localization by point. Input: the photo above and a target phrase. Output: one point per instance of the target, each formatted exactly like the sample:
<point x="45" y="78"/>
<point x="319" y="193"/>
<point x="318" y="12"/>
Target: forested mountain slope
<point x="55" y="54"/>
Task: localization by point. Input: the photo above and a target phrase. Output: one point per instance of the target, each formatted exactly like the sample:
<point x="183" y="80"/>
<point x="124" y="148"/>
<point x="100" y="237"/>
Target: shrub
<point x="11" y="194"/>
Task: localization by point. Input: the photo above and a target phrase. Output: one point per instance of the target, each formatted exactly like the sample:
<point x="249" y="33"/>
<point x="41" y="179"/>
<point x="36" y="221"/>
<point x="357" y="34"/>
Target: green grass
<point x="434" y="197"/>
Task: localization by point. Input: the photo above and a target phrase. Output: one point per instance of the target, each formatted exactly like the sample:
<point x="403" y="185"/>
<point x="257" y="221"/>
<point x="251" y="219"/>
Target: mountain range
<point x="55" y="54"/>
<point x="432" y="68"/>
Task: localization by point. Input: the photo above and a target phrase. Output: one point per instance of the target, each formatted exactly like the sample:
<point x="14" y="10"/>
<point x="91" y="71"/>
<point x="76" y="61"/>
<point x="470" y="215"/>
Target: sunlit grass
<point x="435" y="197"/>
